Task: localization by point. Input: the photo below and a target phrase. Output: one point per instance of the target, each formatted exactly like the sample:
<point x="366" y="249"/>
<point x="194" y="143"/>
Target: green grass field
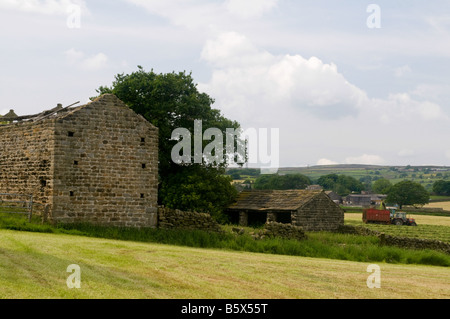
<point x="154" y="263"/>
<point x="34" y="265"/>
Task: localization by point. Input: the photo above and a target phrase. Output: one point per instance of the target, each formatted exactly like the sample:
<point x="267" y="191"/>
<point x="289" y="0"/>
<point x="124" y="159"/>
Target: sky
<point x="343" y="82"/>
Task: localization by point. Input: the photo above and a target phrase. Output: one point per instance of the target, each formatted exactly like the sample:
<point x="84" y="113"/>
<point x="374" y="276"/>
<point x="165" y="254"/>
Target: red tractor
<point x="385" y="216"/>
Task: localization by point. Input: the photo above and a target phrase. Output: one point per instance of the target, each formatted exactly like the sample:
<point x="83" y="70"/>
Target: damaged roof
<point x="12" y="117"/>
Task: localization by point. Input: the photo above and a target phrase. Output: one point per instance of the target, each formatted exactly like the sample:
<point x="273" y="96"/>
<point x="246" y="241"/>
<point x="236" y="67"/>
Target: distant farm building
<point x="311" y="209"/>
<point x="93" y="163"/>
<point x="364" y="200"/>
<point x="334" y="197"/>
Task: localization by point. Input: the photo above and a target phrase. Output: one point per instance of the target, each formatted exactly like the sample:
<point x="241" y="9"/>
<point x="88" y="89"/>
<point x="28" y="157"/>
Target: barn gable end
<point x="319" y="213"/>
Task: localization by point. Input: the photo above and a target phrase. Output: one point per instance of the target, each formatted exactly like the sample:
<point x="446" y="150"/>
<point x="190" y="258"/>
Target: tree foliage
<point x="340" y="184"/>
<point x="381" y="186"/>
<point x="280" y="182"/>
<point x="171" y="101"/>
<point x="441" y="187"/>
<point x="408" y="193"/>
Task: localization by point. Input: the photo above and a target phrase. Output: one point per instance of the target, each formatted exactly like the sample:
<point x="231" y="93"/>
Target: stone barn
<point x="95" y="163"/>
<point x="311" y="209"/>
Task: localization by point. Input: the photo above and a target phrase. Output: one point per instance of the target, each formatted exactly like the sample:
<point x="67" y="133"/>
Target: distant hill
<point x="425" y="175"/>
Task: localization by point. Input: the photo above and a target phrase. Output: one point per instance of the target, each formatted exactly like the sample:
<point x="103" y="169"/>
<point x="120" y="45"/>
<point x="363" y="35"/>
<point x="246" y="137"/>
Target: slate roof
<point x="273" y="200"/>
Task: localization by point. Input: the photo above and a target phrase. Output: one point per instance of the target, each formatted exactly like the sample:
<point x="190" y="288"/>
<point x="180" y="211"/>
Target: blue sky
<point x="339" y="91"/>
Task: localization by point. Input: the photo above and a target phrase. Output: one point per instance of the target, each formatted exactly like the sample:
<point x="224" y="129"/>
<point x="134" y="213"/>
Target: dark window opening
<point x="143" y="165"/>
<point x="75" y="162"/>
<point x="142" y="195"/>
<point x="142" y="139"/>
<point x="43" y="182"/>
<point x="71" y="193"/>
<point x="70" y="134"/>
<point x="233" y="217"/>
<point x="257" y="219"/>
<point x="284" y="218"/>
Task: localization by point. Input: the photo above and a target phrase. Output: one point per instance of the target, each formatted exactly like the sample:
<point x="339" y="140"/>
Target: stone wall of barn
<point x="320" y="213"/>
<point x="106" y="166"/>
<point x="26" y="159"/>
<point x="97" y="163"/>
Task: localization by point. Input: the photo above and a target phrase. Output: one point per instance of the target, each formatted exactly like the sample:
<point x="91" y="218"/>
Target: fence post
<point x="31" y="208"/>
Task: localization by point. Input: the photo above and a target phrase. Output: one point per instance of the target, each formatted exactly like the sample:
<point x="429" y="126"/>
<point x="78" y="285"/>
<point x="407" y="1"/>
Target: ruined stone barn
<point x="311" y="209"/>
<point x="95" y="163"/>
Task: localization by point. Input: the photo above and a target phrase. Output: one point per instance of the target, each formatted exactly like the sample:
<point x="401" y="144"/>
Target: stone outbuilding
<point x="311" y="209"/>
<point x="94" y="163"/>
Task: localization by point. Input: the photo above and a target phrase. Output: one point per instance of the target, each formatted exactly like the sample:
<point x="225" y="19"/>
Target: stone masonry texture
<point x="96" y="163"/>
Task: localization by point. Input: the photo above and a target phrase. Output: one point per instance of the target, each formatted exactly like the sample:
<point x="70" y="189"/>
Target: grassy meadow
<point x="169" y="264"/>
<point x="34" y="265"/>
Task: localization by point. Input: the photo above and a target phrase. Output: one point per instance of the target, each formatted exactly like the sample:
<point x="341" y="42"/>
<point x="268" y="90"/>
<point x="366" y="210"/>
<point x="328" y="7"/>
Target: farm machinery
<point x="387" y="216"/>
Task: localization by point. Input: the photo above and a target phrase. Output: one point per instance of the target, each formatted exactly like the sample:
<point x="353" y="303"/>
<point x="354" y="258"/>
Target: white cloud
<point x="243" y="71"/>
<point x="94" y="62"/>
<point x="98" y="61"/>
<point x="200" y="14"/>
<point x="365" y="159"/>
<point x="49" y="7"/>
<point x="74" y="56"/>
<point x="402" y="71"/>
<point x="325" y="161"/>
<point x="244" y="74"/>
<point x="314" y="104"/>
<point x="250" y="8"/>
<point x="401" y="107"/>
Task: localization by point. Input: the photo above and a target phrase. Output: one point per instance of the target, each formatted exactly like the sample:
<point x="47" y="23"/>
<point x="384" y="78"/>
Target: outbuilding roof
<point x="267" y="200"/>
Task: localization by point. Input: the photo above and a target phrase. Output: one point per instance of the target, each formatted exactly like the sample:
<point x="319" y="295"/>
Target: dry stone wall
<point x="405" y="242"/>
<point x="414" y="243"/>
<point x="173" y="218"/>
<point x="289" y="231"/>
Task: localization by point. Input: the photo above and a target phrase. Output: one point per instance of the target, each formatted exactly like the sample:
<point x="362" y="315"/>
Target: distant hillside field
<point x="424" y="175"/>
<point x="443" y="205"/>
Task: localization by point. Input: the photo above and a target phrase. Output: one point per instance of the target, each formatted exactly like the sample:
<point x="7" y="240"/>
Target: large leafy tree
<point x="341" y="184"/>
<point x="408" y="193"/>
<point x="441" y="187"/>
<point x="288" y="181"/>
<point x="170" y="101"/>
<point x="382" y="186"/>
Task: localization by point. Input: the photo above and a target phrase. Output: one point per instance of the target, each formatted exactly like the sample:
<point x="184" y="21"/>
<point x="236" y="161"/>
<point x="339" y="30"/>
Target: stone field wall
<point x="173" y="218"/>
<point x="289" y="231"/>
<point x="405" y="242"/>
